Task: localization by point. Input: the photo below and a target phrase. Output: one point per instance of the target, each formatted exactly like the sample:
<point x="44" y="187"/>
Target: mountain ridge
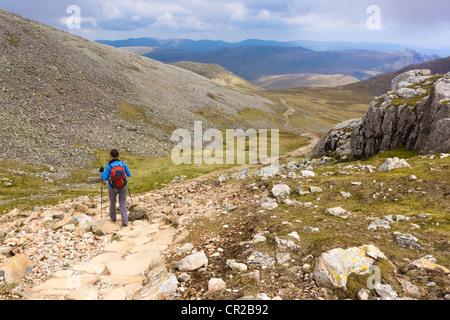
<point x="208" y="45"/>
<point x="254" y="62"/>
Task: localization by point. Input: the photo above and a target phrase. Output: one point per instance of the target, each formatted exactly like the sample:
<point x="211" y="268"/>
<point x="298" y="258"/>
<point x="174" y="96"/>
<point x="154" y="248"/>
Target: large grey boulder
<point x="409" y="78"/>
<point x="281" y="190"/>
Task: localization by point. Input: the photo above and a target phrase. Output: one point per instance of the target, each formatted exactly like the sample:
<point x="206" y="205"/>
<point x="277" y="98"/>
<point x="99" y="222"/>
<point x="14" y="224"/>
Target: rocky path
<point x="261" y="233"/>
<point x="116" y="273"/>
<point x="78" y="255"/>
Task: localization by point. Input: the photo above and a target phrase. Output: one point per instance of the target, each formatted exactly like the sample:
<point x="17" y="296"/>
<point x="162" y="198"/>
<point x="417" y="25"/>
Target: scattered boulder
<point x="393" y="163"/>
<point x="261" y="258"/>
<point x="304" y="189"/>
<point x="269" y="171"/>
<point x="64" y="222"/>
<point x="338" y="212"/>
<point x="192" y="262"/>
<point x="237" y="266"/>
<point x="335" y="266"/>
<point x="269" y="203"/>
<point x="406" y="240"/>
<point x="308" y="173"/>
<point x="363" y="294"/>
<point x="428" y="263"/>
<point x="374" y="225"/>
<point x="216" y="284"/>
<point x="13" y="270"/>
<point x="160" y="286"/>
<point x="281" y="190"/>
<point x="385" y="291"/>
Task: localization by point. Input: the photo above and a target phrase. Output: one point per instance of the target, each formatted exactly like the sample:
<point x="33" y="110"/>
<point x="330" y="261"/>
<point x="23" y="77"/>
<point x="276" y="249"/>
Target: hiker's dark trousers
<point x="122" y="192"/>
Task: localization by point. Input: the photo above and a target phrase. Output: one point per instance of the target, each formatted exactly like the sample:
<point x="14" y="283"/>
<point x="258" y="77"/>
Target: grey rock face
<point x="415" y="115"/>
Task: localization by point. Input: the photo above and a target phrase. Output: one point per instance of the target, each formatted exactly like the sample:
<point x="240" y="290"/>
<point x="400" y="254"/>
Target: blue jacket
<point x="113" y="164"/>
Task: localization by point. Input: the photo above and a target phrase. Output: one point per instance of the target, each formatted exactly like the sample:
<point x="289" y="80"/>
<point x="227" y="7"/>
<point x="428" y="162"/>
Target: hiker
<point x="116" y="174"/>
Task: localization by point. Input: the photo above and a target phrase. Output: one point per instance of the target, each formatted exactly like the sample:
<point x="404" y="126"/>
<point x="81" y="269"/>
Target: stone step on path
<point x="119" y="272"/>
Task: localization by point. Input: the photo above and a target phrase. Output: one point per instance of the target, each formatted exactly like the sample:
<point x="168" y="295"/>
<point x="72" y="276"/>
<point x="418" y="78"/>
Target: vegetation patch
<point x="13" y="40"/>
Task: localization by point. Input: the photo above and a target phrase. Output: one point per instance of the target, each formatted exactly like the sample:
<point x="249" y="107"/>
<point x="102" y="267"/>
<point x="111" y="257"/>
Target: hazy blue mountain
<point x="208" y="45"/>
<point x="253" y="62"/>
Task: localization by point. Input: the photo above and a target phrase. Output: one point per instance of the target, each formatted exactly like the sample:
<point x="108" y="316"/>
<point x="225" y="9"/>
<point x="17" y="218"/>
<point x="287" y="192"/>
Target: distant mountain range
<point x="256" y="59"/>
<point x="200" y="46"/>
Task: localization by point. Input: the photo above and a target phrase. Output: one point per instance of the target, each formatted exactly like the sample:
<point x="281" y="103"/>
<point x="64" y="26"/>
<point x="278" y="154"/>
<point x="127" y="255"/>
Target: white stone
<point x="192" y="262"/>
<point x="281" y="190"/>
<point x="393" y="163"/>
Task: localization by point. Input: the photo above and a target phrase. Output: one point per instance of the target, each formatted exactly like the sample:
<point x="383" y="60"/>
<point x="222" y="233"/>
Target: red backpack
<point x="118" y="177"/>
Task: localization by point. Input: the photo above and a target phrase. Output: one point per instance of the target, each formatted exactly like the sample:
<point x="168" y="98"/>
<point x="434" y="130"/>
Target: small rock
<point x="363" y="294"/>
<point x="216" y="284"/>
<point x="269" y="171"/>
<point x="428" y="263"/>
<point x="14" y="269"/>
<point x="184" y="277"/>
<point x="346" y="194"/>
<point x="192" y="262"/>
<point x="261" y="258"/>
<point x="287" y="243"/>
<point x="237" y="266"/>
<point x="258" y="238"/>
<point x="281" y="190"/>
<point x="224" y="177"/>
<point x="64" y="222"/>
<point x="269" y="203"/>
<point x="338" y="212"/>
<point x="410" y="289"/>
<point x="405" y="240"/>
<point x="393" y="163"/>
<point x="307" y="173"/>
<point x="283" y="257"/>
<point x="379" y="224"/>
<point x="185" y="248"/>
<point x="385" y="291"/>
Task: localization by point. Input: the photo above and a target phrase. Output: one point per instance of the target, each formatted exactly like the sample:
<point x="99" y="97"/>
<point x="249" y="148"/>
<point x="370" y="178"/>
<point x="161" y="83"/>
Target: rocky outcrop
<point x="414" y="114"/>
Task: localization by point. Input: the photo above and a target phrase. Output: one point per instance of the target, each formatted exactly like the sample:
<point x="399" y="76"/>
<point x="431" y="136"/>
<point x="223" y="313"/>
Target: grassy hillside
<point x="318" y="109"/>
<point x="286" y="81"/>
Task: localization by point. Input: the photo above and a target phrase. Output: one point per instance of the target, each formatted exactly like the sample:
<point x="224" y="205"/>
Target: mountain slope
<point x="382" y="83"/>
<point x="63" y="96"/>
<point x="219" y="74"/>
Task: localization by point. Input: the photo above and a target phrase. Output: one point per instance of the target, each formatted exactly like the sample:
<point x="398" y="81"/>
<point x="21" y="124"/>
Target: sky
<point x="414" y="22"/>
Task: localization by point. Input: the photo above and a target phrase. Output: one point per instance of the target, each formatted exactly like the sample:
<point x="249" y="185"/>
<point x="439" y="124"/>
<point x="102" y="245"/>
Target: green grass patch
<point x="253" y="114"/>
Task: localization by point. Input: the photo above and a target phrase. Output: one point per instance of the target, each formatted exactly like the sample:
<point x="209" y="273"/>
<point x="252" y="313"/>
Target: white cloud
<point x="238" y="11"/>
<point x="415" y="21"/>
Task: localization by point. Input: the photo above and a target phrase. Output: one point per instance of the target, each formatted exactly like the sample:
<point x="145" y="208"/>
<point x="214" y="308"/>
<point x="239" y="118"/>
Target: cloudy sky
<point x="413" y="22"/>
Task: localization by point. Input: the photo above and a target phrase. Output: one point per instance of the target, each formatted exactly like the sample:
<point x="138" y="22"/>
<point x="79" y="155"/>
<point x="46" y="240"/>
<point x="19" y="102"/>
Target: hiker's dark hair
<point x="114" y="153"/>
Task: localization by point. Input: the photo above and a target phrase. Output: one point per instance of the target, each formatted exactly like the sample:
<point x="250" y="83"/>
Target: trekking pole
<point x="101" y="197"/>
<point x="132" y="204"/>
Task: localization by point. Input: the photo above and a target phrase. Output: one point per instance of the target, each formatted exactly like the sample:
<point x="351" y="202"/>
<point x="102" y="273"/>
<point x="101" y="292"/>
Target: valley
<point x="357" y="209"/>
